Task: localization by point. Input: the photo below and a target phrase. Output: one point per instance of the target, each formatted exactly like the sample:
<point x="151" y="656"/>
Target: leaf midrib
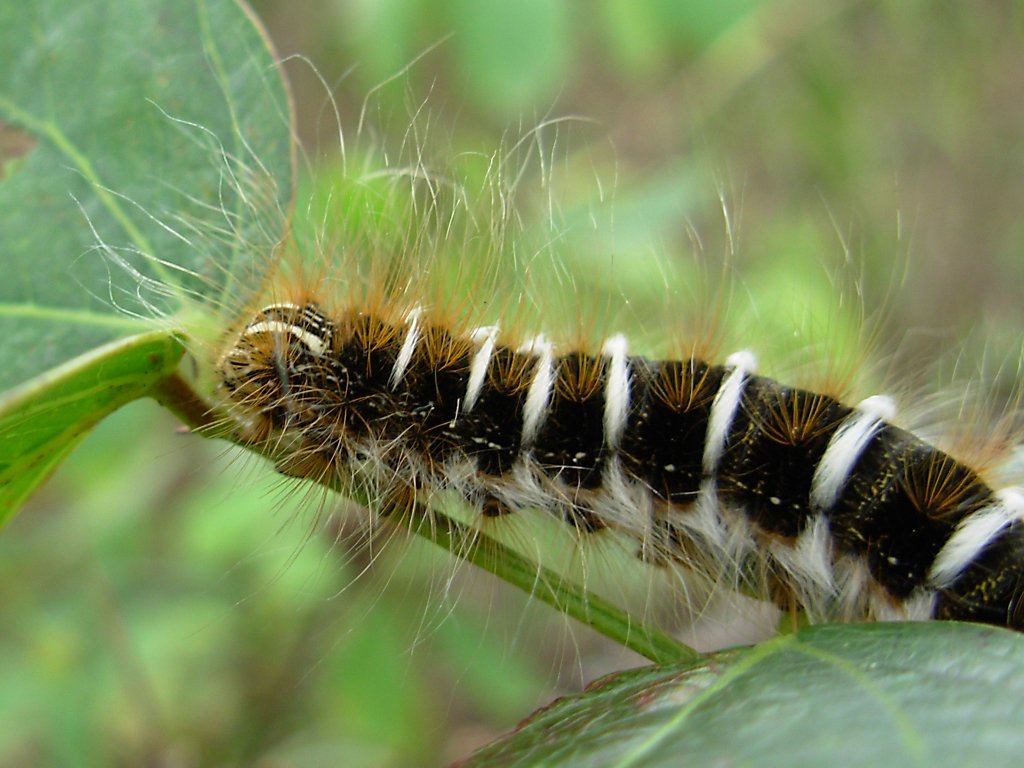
<point x="50" y="130"/>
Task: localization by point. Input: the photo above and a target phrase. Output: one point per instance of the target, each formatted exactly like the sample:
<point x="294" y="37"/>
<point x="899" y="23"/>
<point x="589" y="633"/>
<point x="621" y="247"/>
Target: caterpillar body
<point x="706" y="469"/>
<point x="780" y="492"/>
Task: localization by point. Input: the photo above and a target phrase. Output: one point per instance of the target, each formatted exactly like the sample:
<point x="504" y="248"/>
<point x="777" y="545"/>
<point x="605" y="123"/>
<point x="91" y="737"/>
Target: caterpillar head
<point x="279" y="362"/>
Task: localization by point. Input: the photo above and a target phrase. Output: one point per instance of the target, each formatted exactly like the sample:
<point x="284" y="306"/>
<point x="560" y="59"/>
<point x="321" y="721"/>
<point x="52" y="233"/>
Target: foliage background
<point x="156" y="611"/>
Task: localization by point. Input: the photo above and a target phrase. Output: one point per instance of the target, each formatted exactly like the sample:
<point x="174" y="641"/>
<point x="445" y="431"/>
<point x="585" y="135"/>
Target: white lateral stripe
<point x="880" y="406"/>
<point x="485" y="336"/>
<point x="412" y="338"/>
<point x="723" y="409"/>
<point x="313" y="343"/>
<point x="973" y="534"/>
<point x="539" y="393"/>
<point x="845" y="447"/>
<point x="616" y="390"/>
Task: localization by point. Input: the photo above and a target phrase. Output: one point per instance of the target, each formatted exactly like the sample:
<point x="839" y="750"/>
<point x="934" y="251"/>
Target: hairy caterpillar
<point x="350" y="366"/>
<point x="329" y="286"/>
<point x="785" y="492"/>
<point x="375" y="385"/>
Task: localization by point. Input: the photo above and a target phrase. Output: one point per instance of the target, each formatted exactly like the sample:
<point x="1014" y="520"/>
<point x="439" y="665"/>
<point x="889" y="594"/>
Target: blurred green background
<point x="161" y="604"/>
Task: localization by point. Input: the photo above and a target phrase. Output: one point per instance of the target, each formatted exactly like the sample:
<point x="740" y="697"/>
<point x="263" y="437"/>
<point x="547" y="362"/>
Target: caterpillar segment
<point x="786" y="493"/>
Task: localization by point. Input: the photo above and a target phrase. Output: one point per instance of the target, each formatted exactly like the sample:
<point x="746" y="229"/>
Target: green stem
<point x="548" y="586"/>
<point x="467" y="543"/>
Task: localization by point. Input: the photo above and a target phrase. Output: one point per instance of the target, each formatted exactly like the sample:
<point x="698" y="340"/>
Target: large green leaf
<point x="884" y="694"/>
<point x="145" y="154"/>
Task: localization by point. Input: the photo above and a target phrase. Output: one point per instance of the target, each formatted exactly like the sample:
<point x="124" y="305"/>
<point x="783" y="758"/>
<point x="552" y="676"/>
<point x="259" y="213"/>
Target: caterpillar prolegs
<point x="781" y="492"/>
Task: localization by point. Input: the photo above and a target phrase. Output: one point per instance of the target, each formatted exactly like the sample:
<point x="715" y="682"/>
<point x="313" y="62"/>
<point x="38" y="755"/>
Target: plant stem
<point x="548" y="586"/>
<point x="463" y="541"/>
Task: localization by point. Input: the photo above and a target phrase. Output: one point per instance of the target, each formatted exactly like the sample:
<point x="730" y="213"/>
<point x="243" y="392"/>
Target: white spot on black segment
<point x="845" y="448"/>
<point x="723" y="410"/>
<point x="485" y="337"/>
<point x="412" y="337"/>
<point x="539" y="393"/>
<point x="974" y="534"/>
<point x="616" y="390"/>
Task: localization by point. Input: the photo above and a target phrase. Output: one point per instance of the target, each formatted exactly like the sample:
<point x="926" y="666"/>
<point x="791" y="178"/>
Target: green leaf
<point x="147" y="158"/>
<point x="43" y="421"/>
<point x="930" y="694"/>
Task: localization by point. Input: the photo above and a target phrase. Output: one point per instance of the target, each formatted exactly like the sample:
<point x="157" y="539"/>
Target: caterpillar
<point x="784" y="493"/>
<point x="376" y="386"/>
<point x="284" y="364"/>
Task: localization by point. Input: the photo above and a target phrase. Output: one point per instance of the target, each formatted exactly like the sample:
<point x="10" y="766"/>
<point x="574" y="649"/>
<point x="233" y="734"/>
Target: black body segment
<point x="991" y="588"/>
<point x="778" y="436"/>
<point x="570" y="445"/>
<point x="901" y="505"/>
<point x="491" y="433"/>
<point x="667" y="427"/>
